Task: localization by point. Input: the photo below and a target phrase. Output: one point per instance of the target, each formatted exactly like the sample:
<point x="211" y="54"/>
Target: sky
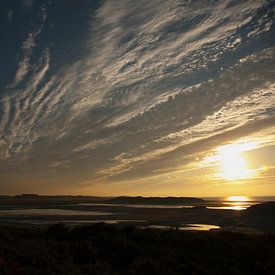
<point x="123" y="97"/>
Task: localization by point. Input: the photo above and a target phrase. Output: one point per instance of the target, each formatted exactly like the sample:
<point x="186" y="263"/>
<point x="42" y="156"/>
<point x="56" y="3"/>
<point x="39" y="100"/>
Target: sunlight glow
<point x="233" y="164"/>
<point x="234" y="167"/>
<point x="238" y="198"/>
<point x="230" y="161"/>
<point x="237" y="203"/>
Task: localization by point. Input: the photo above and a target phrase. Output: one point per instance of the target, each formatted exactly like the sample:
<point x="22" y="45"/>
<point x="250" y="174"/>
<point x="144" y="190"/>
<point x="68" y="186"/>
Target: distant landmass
<point x="138" y="211"/>
<point x="154" y="200"/>
<point x="43" y="199"/>
<point x="32" y="199"/>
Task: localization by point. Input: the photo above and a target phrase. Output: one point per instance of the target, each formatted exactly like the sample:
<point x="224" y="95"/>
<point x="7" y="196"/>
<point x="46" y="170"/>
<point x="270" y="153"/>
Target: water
<point x="139" y="205"/>
<point x="230" y="203"/>
<point x="237" y="202"/>
<point x="71" y="222"/>
<point x="54" y="213"/>
<point x="49" y="212"/>
<point x="188" y="227"/>
<point x="233" y="206"/>
<point x="200" y="227"/>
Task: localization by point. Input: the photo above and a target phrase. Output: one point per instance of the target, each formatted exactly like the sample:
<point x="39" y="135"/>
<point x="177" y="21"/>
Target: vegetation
<point x="108" y="249"/>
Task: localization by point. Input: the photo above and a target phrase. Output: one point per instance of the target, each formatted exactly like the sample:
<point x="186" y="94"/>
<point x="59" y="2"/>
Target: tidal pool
<point x="188" y="227"/>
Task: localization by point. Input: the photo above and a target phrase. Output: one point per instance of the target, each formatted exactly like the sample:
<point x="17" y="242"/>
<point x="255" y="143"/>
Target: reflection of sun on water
<point x="237" y="202"/>
<point x="238" y="199"/>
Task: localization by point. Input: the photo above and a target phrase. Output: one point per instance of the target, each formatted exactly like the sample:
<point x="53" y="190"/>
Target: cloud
<point x="10" y="16"/>
<point x="28" y="46"/>
<point x="28" y="4"/>
<point x="157" y="84"/>
<point x="23" y="65"/>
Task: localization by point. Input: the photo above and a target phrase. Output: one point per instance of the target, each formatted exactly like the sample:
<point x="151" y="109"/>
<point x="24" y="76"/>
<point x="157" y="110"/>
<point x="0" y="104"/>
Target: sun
<point x="234" y="167"/>
<point x="230" y="161"/>
<point x="233" y="164"/>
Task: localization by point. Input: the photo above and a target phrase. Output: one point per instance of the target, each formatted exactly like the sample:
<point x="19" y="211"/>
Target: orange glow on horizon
<point x="238" y="198"/>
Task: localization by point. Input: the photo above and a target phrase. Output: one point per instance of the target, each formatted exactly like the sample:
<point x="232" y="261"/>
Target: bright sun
<point x="233" y="164"/>
<point x="234" y="167"/>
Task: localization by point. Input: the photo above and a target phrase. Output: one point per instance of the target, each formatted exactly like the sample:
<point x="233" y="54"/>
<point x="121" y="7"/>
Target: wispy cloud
<point x="160" y="84"/>
<point x="10" y="16"/>
<point x="28" y="4"/>
<point x="28" y="46"/>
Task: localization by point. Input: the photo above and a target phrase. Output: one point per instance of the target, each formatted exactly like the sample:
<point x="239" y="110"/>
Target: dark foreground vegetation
<point x="108" y="249"/>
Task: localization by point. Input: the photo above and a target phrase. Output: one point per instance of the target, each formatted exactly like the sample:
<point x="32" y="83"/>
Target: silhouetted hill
<point x="154" y="200"/>
<point x="27" y="196"/>
<point x="32" y="199"/>
<point x="264" y="209"/>
<point x="260" y="217"/>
